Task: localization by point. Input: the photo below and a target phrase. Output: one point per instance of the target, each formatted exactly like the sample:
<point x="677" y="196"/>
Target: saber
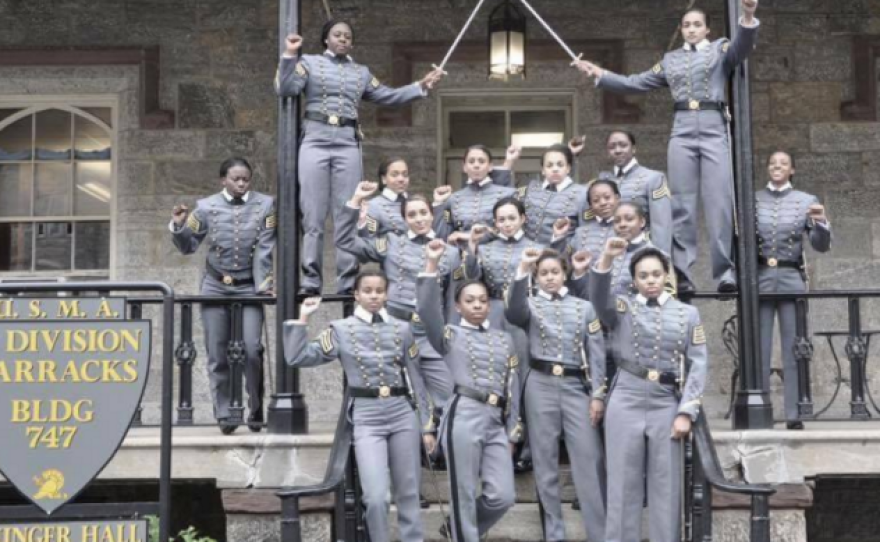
<point x="458" y="38"/>
<point x="549" y="30"/>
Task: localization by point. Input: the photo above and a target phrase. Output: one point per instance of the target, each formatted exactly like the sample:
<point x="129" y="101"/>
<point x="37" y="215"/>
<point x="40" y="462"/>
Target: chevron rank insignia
<point x="657" y="68"/>
<point x="621" y="306"/>
<point x="372" y="225"/>
<point x="414" y="351"/>
<point x="595" y="326"/>
<point x="271" y="222"/>
<point x="661" y="192"/>
<point x="447" y="216"/>
<point x="325" y="341"/>
<point x="589" y="214"/>
<point x="513" y="361"/>
<point x="725" y="47"/>
<point x="458" y="274"/>
<point x="193" y="223"/>
<point x="415" y="319"/>
<point x="382" y="245"/>
<point x="375" y="83"/>
<point x="522" y="191"/>
<point x="447" y="333"/>
<point x="699" y="335"/>
<point x="301" y="70"/>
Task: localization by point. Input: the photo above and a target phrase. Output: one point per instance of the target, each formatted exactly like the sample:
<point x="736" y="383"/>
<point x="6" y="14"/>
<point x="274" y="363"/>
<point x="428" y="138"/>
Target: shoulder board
<point x="661" y="192"/>
<point x="374" y="83"/>
<point x="595" y="326"/>
<point x="271" y="221"/>
<point x="193" y="223"/>
<point x="326" y="341"/>
<point x="414" y="351"/>
<point x="621" y="306"/>
<point x="699" y="335"/>
<point x="513" y="361"/>
<point x="658" y="68"/>
<point x="589" y="214"/>
<point x="301" y="70"/>
<point x="382" y="244"/>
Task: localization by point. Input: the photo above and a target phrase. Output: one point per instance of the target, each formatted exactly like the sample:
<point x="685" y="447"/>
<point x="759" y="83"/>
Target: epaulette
<point x="372" y="224"/>
<point x="193" y="223"/>
<point x="326" y="341"/>
<point x="301" y="70"/>
<point x="382" y="245"/>
<point x="271" y="221"/>
<point x="661" y="192"/>
<point x="374" y="83"/>
<point x="621" y="306"/>
<point x="658" y="68"/>
<point x="513" y="361"/>
<point x="595" y="326"/>
<point x="699" y="335"/>
<point x="414" y="351"/>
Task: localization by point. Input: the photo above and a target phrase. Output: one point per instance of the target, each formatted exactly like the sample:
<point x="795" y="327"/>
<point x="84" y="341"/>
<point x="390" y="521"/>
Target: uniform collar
<point x="566" y="182"/>
<point x="412" y="235"/>
<point x="228" y="197"/>
<point x="561" y="293"/>
<point x="366" y="316"/>
<point x="329" y="54"/>
<point x="627" y="168"/>
<point x="392" y="195"/>
<point x="661" y="299"/>
<point x="772" y="187"/>
<point x="516" y="236"/>
<point x="638" y="239"/>
<point x="482" y="183"/>
<point x="467" y="325"/>
<point x="703" y="45"/>
<point x="604" y="221"/>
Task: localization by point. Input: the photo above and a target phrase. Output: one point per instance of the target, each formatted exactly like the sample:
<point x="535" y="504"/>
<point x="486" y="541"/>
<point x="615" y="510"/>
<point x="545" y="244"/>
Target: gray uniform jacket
<point x="384" y="216"/>
<point x="496" y="262"/>
<point x="472" y="204"/>
<point x="372" y="355"/>
<point x="241" y="237"/>
<point x="590" y="236"/>
<point x="700" y="75"/>
<point x="564" y="330"/>
<point x="335" y="86"/>
<point x="480" y="360"/>
<point x="782" y="223"/>
<point x="544" y="207"/>
<point x="648" y="188"/>
<point x="654" y="337"/>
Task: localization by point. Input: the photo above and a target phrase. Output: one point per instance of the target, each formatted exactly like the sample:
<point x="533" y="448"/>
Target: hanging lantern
<point x="507" y="42"/>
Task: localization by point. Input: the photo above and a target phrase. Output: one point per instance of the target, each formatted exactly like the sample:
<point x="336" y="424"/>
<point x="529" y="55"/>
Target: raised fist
<point x="309" y="307"/>
<point x="179" y="214"/>
<point x="442" y="193"/>
<point x="294" y="43"/>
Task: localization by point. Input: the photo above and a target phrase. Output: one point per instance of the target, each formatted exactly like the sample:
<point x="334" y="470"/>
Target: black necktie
<point x="552" y="188"/>
<point x="400" y="198"/>
<point x="620" y="173"/>
<point x="237" y="201"/>
<point x="653" y="303"/>
<point x="377" y="319"/>
<point x="420" y="239"/>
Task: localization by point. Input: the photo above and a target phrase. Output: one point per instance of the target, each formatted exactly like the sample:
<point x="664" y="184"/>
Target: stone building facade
<point x="190" y="82"/>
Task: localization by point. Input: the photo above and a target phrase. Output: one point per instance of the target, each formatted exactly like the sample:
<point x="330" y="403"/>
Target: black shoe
<point x="727" y="287"/>
<point x="523" y="465"/>
<point x="576" y="504"/>
<point x="685" y="288"/>
<point x="310" y="292"/>
<point x="423" y="502"/>
<point x="255" y="420"/>
<point x="225" y="427"/>
<point x="795" y="426"/>
<point x="445" y="530"/>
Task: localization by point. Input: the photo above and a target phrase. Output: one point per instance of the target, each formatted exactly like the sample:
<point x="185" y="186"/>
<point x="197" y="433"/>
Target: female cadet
<point x="597" y="224"/>
<point x="564" y="390"/>
<point x="553" y="198"/>
<point x="785" y="216"/>
<point x="380" y="360"/>
<point x="473" y="203"/>
<point x="481" y="422"/>
<point x="383" y="211"/>
<point x="699" y="150"/>
<point x="330" y="164"/>
<point x="659" y="342"/>
<point x="402" y="257"/>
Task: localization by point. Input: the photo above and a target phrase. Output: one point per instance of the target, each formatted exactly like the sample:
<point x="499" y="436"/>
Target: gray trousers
<point x="521" y="344"/>
<point x="787" y="330"/>
<point x="479" y="461"/>
<point x="387" y="438"/>
<point x="216" y="321"/>
<point x="699" y="166"/>
<point x="638" y="425"/>
<point x="559" y="407"/>
<point x="328" y="176"/>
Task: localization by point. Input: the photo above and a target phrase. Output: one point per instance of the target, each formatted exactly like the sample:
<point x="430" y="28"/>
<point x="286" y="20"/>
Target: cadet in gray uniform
<point x="473" y="203"/>
<point x="330" y="162"/>
<point x="383" y="211"/>
<point x="784" y="217"/>
<point x="402" y="257"/>
<point x="240" y="224"/>
<point x="699" y="150"/>
<point x="380" y="359"/>
<point x="553" y="198"/>
<point x="564" y="390"/>
<point x="482" y="421"/>
<point x="656" y="338"/>
<point x="644" y="186"/>
<point x="597" y="224"/>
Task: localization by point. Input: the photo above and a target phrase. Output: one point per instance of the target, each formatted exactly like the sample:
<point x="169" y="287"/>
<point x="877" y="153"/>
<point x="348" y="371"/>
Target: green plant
<point x="189" y="535"/>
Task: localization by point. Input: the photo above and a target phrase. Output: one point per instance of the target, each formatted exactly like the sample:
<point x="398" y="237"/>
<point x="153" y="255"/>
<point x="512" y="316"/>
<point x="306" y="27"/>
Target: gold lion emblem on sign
<point x="50" y="483"/>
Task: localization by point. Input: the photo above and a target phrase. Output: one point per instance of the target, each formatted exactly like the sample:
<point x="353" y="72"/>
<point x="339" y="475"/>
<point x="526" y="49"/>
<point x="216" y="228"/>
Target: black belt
<point x="401" y="314"/>
<point x="773" y="262"/>
<point x="555" y="369"/>
<point x="667" y="378"/>
<point x="332" y="120"/>
<point x="491" y="399"/>
<point x="228" y="280"/>
<point x="381" y="391"/>
<point x="696" y="105"/>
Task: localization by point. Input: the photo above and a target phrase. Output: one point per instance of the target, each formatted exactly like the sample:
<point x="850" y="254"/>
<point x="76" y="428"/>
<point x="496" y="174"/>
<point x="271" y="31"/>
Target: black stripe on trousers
<point x="452" y="477"/>
<point x="522" y="409"/>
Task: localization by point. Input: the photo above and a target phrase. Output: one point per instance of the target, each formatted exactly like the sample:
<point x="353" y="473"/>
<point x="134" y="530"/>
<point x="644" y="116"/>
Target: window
<point x="56" y="188"/>
<point x="533" y="119"/>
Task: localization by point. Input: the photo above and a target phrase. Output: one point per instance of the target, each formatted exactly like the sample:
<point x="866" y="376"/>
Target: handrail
<point x="712" y="467"/>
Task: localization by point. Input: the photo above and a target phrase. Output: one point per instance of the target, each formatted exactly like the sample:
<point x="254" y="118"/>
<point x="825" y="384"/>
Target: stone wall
<point x="218" y="58"/>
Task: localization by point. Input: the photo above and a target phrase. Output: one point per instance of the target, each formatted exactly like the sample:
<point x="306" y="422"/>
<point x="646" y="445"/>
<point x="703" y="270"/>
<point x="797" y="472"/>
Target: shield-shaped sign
<point x="68" y="392"/>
